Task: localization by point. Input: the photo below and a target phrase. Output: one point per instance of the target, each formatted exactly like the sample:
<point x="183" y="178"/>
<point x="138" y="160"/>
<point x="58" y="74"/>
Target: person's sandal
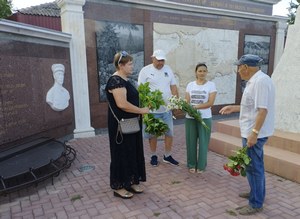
<point x="192" y="170"/>
<point x="123" y="193"/>
<point x="136" y="188"/>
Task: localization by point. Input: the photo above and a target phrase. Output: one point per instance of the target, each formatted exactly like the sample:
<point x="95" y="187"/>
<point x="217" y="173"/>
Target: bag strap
<point x="113" y="113"/>
<point x="119" y="132"/>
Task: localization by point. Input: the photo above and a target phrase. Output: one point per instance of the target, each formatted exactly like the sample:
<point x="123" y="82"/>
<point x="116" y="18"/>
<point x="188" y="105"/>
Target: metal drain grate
<point x="86" y="168"/>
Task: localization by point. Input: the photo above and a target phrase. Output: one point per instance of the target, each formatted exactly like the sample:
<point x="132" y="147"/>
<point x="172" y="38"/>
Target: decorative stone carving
<point x="58" y="97"/>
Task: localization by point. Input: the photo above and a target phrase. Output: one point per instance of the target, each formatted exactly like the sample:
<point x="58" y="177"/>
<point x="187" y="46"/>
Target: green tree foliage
<point x="5" y="8"/>
<point x="292" y="11"/>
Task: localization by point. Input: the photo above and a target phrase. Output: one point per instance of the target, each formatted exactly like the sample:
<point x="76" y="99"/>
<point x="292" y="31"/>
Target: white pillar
<point x="281" y="27"/>
<point x="72" y="22"/>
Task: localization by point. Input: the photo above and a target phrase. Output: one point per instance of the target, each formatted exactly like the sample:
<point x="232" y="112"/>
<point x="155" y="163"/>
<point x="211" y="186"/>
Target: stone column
<point x="279" y="44"/>
<point x="72" y="22"/>
<point x="286" y="77"/>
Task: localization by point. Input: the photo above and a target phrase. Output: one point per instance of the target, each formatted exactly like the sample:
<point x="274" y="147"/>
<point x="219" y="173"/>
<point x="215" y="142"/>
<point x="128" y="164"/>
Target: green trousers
<point x="196" y="134"/>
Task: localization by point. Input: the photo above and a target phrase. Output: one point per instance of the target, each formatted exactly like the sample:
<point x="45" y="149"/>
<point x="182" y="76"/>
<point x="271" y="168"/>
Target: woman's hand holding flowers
<point x="179" y="103"/>
<point x="153" y="100"/>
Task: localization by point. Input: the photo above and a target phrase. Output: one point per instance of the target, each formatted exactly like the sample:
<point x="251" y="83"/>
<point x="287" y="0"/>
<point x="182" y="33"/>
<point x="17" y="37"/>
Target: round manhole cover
<point x="86" y="167"/>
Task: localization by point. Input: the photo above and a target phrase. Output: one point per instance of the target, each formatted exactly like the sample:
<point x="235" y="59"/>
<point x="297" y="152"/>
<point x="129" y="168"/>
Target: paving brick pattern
<point x="170" y="192"/>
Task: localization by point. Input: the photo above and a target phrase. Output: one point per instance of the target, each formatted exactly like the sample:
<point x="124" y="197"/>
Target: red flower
<point x="235" y="173"/>
<point x="237" y="163"/>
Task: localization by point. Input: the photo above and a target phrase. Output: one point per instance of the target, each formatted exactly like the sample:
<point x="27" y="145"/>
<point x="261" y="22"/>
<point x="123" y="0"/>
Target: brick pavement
<point x="170" y="192"/>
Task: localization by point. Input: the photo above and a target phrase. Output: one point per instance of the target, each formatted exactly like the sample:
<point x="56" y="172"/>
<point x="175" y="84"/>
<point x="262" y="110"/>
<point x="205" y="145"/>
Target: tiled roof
<point x="48" y="9"/>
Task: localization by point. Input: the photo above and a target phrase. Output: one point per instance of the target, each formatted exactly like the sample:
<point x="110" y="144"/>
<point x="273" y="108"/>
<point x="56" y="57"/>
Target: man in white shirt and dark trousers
<point x="160" y="77"/>
<point x="256" y="124"/>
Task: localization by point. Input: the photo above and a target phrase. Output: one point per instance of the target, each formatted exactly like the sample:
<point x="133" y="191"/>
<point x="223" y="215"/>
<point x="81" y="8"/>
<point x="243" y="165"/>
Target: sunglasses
<point x="122" y="54"/>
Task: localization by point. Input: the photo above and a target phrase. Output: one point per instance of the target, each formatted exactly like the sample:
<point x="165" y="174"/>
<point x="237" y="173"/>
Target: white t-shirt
<point x="159" y="79"/>
<point x="259" y="93"/>
<point x="199" y="94"/>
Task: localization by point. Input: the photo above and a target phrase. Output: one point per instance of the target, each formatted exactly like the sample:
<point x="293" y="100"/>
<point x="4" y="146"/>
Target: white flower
<point x="174" y="103"/>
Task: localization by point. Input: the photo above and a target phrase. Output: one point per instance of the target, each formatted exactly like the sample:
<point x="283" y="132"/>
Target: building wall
<point x="26" y="56"/>
<point x="41" y="21"/>
<point x="157" y="23"/>
<point x="97" y="13"/>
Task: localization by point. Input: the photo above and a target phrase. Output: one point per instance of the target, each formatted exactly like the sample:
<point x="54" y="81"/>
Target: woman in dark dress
<point x="127" y="167"/>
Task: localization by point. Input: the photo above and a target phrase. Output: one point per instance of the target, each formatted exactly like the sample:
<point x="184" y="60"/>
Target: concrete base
<point x="84" y="133"/>
<point x="282" y="151"/>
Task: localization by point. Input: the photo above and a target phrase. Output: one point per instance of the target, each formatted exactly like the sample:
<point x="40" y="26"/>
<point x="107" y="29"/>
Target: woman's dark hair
<point x="199" y="65"/>
<point x="122" y="58"/>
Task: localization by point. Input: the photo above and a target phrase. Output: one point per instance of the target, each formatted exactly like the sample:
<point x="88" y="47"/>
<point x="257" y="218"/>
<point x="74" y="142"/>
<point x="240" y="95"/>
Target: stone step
<point x="277" y="161"/>
<point x="282" y="140"/>
<point x="229" y="127"/>
<point x="285" y="140"/>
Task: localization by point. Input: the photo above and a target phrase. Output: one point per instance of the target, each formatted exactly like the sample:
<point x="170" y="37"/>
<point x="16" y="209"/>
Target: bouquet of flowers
<point x="179" y="103"/>
<point x="237" y="163"/>
<point x="153" y="100"/>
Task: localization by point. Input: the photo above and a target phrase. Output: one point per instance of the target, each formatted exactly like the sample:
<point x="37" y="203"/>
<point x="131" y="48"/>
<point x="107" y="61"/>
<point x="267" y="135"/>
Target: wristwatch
<point x="255" y="131"/>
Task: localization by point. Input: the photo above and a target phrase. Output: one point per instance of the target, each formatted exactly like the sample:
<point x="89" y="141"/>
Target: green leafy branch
<point x="148" y="98"/>
<point x="153" y="100"/>
<point x="154" y="126"/>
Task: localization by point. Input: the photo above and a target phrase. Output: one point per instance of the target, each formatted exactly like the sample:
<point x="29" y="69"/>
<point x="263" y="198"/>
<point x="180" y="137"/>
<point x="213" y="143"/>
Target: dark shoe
<point x="154" y="161"/>
<point x="123" y="193"/>
<point x="170" y="160"/>
<point x="245" y="195"/>
<point x="248" y="210"/>
<point x="136" y="188"/>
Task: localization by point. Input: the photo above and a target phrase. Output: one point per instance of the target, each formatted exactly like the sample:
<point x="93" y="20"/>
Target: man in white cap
<point x="160" y="77"/>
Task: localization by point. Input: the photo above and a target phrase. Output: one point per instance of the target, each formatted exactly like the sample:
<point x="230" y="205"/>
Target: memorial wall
<point x="25" y="78"/>
<point x="187" y="38"/>
<point x="218" y="48"/>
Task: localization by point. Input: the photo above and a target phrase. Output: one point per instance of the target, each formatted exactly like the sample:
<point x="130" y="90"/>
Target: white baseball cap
<point x="159" y="55"/>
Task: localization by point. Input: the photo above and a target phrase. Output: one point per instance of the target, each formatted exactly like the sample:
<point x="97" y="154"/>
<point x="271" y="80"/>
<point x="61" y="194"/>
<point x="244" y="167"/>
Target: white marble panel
<point x="286" y="78"/>
<point x="188" y="45"/>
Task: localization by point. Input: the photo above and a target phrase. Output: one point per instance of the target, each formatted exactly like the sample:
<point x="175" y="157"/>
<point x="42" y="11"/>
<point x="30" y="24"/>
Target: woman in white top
<point x="201" y="94"/>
